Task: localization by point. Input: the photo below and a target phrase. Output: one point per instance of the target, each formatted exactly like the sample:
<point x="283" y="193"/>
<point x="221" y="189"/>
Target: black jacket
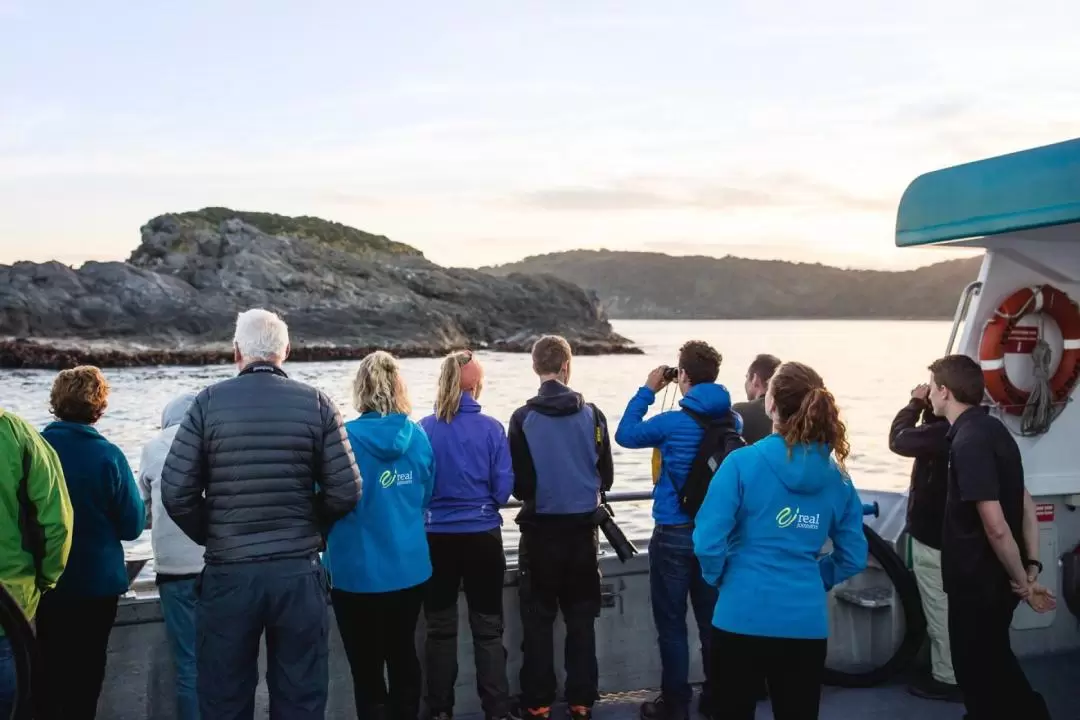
<point x="260" y="468"/>
<point x="928" y="444"/>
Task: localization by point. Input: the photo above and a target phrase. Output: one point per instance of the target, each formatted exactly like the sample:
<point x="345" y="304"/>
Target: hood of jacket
<point x="803" y="469"/>
<point x="711" y="399"/>
<point x="174" y="412"/>
<point x="556" y="399"/>
<point x="386" y="437"/>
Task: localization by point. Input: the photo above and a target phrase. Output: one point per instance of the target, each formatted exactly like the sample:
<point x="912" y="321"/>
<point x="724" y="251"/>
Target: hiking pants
<point x="558" y="570"/>
<point x="73" y="639"/>
<point x="287" y="599"/>
<point x="792" y="668"/>
<point x="477" y="561"/>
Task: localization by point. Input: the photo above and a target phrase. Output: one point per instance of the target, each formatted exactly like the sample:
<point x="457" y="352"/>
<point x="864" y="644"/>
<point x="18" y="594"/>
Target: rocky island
<point x="344" y="292"/>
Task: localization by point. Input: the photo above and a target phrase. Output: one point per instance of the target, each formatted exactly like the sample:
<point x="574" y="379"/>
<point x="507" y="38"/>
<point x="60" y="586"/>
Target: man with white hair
<point x="259" y="470"/>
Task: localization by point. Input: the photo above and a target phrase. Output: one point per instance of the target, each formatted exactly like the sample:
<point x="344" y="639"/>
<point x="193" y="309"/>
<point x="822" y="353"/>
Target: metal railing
<point x="970" y="291"/>
<point x="620" y="497"/>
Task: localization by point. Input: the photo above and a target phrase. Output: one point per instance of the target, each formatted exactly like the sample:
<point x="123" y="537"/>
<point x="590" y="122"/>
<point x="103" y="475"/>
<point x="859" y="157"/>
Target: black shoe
<point x="930" y="688"/>
<point x="441" y="716"/>
<point x="662" y="709"/>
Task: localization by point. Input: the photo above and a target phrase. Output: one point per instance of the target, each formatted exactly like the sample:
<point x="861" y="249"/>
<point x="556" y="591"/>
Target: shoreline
<point x="23" y="354"/>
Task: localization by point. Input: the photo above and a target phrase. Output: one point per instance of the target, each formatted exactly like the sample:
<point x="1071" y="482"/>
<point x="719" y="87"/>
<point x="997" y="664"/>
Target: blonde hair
<point x="448" y="397"/>
<point x="379" y="387"/>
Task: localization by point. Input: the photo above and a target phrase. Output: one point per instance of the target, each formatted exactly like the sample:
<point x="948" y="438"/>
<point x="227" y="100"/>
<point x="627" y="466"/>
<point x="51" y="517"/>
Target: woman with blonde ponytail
<point x="768" y="512"/>
<point x="377" y="555"/>
<point x="473" y="478"/>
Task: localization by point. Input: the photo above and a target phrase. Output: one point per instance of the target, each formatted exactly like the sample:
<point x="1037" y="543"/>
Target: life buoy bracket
<point x="999" y="329"/>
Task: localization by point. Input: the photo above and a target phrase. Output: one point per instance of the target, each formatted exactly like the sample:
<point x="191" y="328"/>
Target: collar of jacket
<point x="263" y="366"/>
<point x="73" y="427"/>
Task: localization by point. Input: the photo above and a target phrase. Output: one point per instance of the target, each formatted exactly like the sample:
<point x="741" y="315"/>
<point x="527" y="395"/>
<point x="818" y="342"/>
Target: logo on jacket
<point x="389" y="478"/>
<point x="788" y="517"/>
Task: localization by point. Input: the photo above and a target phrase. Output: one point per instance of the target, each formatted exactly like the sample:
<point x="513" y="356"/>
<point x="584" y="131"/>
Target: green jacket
<point x="35" y="513"/>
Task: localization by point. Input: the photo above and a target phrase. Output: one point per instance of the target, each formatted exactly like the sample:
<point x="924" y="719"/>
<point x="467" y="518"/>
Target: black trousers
<point x="558" y="570"/>
<point x="73" y="639"/>
<point x="477" y="562"/>
<point x="379" y="634"/>
<point x="792" y="668"/>
<point x="284" y="598"/>
<point x="987" y="671"/>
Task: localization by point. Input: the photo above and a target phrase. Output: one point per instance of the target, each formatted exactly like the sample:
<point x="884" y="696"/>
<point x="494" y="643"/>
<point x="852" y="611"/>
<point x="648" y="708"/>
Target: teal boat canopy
<point x="1023" y="190"/>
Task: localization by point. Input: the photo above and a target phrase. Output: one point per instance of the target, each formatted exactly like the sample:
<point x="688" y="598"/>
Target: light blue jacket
<point x="381" y="546"/>
<point x="677" y="435"/>
<point x="760" y="533"/>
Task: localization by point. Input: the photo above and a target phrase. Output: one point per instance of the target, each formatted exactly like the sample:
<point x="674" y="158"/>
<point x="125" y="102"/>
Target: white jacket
<point x="174" y="552"/>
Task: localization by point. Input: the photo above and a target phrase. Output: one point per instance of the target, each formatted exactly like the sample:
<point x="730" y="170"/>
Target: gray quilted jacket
<point x="260" y="468"/>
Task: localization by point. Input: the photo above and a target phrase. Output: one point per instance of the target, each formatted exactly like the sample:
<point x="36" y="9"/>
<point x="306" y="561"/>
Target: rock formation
<point x="342" y="291"/>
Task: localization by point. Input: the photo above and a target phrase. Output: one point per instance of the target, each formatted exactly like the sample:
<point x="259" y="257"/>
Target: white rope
<point x="1039" y="410"/>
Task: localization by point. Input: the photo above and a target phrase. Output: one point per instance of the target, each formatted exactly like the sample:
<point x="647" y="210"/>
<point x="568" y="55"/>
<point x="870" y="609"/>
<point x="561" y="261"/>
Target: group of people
<point x="265" y="508"/>
<point x="974" y="542"/>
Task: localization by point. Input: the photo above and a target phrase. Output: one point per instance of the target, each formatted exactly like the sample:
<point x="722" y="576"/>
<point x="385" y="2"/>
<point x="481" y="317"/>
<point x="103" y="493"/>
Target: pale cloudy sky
<point x="482" y="131"/>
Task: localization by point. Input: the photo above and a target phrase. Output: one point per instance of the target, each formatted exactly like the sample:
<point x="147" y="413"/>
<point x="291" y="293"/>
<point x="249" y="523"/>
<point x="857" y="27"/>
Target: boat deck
<point x="1057" y="677"/>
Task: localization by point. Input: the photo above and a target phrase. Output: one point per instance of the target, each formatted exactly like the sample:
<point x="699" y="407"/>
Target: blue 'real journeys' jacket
<point x="560" y="465"/>
<point x="760" y="532"/>
<point x="473" y="476"/>
<point x="677" y="435"/>
<point x="107" y="506"/>
<point x="381" y="545"/>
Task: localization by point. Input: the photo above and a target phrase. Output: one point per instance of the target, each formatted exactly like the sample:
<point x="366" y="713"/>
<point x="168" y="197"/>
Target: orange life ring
<point x="998" y="337"/>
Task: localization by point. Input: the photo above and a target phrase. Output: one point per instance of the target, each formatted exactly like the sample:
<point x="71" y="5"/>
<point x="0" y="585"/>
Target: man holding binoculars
<point x="705" y="417"/>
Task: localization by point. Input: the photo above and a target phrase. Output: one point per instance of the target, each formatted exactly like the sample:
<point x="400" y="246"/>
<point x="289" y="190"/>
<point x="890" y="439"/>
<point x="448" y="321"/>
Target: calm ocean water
<point x="869" y="365"/>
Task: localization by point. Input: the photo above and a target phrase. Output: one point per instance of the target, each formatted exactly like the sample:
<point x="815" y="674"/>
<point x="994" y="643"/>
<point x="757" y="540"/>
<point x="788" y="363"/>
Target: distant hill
<point x="653" y="285"/>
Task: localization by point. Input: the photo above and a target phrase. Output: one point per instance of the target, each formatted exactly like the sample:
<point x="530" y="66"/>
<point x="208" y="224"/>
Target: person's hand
<point x="1040" y="599"/>
<point x="921" y="393"/>
<point x="656" y="381"/>
<point x="1022" y="591"/>
<point x="1033" y="574"/>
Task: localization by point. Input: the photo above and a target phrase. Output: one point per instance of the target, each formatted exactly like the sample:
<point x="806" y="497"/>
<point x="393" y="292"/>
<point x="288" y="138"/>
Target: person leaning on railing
<point x="35" y="529"/>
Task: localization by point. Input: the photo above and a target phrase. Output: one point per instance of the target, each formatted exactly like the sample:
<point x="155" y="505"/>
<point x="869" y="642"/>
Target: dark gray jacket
<point x="260" y="468"/>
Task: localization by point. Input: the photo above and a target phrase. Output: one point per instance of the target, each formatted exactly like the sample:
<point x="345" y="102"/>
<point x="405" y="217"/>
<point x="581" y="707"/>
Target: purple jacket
<point x="473" y="475"/>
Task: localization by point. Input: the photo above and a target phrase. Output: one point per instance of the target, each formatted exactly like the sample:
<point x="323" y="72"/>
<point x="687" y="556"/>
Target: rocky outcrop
<point x="342" y="291"/>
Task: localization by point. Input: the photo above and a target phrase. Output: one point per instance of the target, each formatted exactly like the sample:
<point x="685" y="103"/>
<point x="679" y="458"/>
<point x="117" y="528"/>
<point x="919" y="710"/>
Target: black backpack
<point x="721" y="437"/>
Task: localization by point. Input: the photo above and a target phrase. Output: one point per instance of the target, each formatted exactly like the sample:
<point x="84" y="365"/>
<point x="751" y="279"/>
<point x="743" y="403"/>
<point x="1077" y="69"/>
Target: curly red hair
<point x="79" y="395"/>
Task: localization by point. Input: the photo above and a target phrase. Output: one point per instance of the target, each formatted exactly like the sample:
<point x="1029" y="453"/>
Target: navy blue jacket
<point x="107" y="505"/>
<point x="560" y="466"/>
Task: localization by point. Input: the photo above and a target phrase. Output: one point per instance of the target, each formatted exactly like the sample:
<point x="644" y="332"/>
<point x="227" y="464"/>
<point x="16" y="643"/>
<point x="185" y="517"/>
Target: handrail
<point x="622" y="497"/>
<point x="970" y="290"/>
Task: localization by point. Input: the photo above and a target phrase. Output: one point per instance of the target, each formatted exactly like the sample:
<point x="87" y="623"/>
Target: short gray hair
<point x="261" y="335"/>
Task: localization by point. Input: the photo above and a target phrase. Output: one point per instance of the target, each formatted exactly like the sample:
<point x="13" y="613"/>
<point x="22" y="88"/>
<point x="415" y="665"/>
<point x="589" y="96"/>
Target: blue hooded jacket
<point x="107" y="506"/>
<point x="381" y="545"/>
<point x="473" y="474"/>
<point x="760" y="532"/>
<point x="677" y="435"/>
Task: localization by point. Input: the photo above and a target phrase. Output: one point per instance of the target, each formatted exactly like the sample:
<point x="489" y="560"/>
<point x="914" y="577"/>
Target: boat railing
<point x="970" y="291"/>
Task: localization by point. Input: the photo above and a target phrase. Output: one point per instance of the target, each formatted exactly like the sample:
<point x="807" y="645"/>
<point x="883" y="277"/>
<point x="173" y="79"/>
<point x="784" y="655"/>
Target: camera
<point x="671" y="374"/>
<point x="604" y="519"/>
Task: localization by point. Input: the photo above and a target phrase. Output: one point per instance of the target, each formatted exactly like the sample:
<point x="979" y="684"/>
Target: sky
<point x="483" y="131"/>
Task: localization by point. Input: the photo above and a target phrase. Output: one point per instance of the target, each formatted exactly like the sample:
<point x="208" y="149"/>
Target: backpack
<point x="721" y="437"/>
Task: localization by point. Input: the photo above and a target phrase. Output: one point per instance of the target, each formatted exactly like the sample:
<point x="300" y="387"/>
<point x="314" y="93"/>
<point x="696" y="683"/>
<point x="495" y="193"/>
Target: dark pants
<point x="987" y="671"/>
<point x="558" y="570"/>
<point x="73" y="639"/>
<point x="792" y="668"/>
<point x="379" y="634"/>
<point x="674" y="575"/>
<point x="477" y="561"/>
<point x="287" y="599"/>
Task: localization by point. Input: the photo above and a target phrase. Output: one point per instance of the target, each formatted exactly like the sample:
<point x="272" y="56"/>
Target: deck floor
<point x="1057" y="677"/>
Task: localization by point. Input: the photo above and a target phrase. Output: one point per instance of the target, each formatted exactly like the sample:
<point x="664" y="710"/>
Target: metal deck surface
<point x="1057" y="677"/>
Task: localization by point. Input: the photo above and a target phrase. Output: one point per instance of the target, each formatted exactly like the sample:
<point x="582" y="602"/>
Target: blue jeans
<point x="8" y="681"/>
<point x="674" y="575"/>
<point x="178" y="601"/>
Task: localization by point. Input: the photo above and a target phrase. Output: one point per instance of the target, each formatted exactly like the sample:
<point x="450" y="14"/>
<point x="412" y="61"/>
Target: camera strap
<point x="598" y="438"/>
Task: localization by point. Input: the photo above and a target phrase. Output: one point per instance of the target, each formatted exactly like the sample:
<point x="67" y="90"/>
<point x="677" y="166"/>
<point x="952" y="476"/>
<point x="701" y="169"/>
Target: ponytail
<point x="448" y="395"/>
<point x="808" y="411"/>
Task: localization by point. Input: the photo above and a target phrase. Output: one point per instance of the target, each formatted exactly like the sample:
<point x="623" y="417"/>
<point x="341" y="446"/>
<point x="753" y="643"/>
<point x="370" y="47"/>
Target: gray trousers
<point x="287" y="599"/>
